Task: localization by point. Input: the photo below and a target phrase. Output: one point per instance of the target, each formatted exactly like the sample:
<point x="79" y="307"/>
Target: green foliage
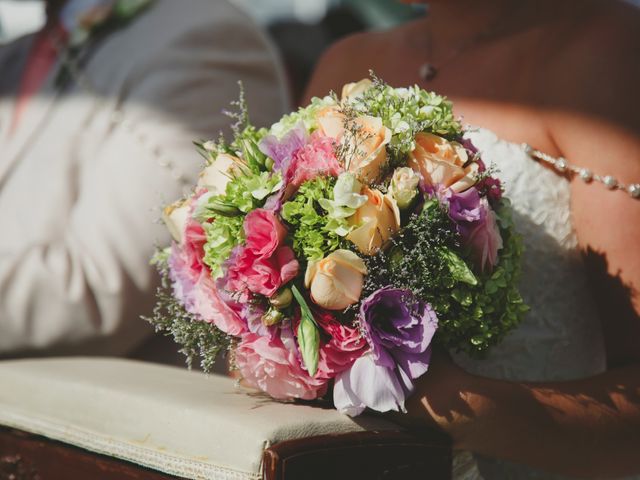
<point x="475" y="309"/>
<point x="198" y="339"/>
<point x="407" y="111"/>
<point x="314" y="232"/>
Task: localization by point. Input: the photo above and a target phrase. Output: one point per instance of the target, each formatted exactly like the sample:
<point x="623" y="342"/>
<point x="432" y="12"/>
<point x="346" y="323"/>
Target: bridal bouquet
<point x="335" y="248"/>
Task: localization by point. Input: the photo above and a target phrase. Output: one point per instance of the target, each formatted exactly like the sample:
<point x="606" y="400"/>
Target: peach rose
<point x="216" y="176"/>
<point x="336" y="281"/>
<point x="352" y="91"/>
<point x="442" y="162"/>
<point x="367" y="149"/>
<point x="331" y="122"/>
<point x="377" y="220"/>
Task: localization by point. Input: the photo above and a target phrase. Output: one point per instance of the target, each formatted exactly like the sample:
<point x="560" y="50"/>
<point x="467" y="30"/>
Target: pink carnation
<point x="265" y="363"/>
<point x="193" y="247"/>
<point x="261" y="274"/>
<point x="261" y="266"/>
<point x="345" y="346"/>
<point x="316" y="158"/>
<point x="198" y="294"/>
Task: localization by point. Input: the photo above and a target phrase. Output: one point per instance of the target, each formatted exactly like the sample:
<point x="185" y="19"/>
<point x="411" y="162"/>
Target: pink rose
<point x="316" y="158"/>
<point x="264" y="232"/>
<point x="265" y="363"/>
<point x="345" y="346"/>
<point x="485" y="239"/>
<point x="261" y="274"/>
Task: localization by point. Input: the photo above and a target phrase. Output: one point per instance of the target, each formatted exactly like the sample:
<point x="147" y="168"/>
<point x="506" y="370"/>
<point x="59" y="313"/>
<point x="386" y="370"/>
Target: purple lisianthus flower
<point x="281" y="150"/>
<point x="465" y="209"/>
<point x="399" y="329"/>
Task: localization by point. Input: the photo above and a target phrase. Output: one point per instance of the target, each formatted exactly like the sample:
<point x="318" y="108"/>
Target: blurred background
<point x="302" y="29"/>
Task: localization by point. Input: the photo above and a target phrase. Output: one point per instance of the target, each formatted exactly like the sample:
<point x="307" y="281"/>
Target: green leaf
<point x="253" y="156"/>
<point x="308" y="334"/>
<point x="459" y="270"/>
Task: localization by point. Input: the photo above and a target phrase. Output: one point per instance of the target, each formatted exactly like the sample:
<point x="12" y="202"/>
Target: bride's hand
<point x="441" y="399"/>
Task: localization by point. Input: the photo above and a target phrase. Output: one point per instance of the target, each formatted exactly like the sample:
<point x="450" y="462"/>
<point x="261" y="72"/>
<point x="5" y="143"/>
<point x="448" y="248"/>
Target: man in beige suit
<point x="90" y="153"/>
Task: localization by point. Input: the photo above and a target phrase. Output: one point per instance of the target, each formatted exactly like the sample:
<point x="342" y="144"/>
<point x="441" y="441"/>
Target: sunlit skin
<point x="562" y="76"/>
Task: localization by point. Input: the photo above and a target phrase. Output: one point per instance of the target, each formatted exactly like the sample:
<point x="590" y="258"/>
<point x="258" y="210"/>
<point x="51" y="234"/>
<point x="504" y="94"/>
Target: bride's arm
<point x="585" y="428"/>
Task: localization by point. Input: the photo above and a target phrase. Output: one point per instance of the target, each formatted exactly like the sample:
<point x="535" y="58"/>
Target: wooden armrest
<point x="352" y="456"/>
<point x="24" y="456"/>
<point x="361" y="456"/>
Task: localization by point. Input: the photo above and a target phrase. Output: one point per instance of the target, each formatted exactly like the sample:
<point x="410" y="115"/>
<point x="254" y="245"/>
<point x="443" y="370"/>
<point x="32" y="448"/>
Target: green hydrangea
<point x="306" y="115"/>
<point x="475" y="310"/>
<point x="223" y="234"/>
<point x="314" y="232"/>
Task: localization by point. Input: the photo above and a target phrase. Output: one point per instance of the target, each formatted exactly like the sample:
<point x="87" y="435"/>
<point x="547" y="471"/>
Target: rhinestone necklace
<point x="560" y="165"/>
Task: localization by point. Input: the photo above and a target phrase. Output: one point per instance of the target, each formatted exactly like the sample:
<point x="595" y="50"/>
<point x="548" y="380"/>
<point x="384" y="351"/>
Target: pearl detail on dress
<point x="561" y="165"/>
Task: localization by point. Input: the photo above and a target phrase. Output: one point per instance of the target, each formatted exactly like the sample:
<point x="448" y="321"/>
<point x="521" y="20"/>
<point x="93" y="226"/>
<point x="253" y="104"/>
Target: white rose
<point x="404" y="186"/>
<point x="175" y="217"/>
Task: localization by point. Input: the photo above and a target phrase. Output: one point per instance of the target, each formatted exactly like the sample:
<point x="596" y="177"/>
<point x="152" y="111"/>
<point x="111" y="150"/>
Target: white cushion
<point x="179" y="422"/>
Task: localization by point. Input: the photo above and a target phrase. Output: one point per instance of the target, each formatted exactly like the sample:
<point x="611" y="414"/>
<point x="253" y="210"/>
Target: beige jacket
<point x="83" y="179"/>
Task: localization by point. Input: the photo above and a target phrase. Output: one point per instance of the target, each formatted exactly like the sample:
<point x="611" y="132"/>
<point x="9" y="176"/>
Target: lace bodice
<point x="560" y="338"/>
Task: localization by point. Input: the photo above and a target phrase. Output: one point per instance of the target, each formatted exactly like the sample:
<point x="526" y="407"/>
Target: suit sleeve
<point x="85" y="292"/>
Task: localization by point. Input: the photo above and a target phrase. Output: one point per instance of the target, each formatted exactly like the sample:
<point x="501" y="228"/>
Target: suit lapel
<point x="31" y="122"/>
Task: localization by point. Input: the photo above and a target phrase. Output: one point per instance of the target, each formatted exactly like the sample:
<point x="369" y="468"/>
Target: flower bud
<point x="222" y="208"/>
<point x="272" y="317"/>
<point x="282" y="299"/>
<point x="404" y="187"/>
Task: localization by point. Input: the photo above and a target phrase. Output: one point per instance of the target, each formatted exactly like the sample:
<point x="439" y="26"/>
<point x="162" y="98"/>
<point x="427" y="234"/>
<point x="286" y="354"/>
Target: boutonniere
<point x="85" y="20"/>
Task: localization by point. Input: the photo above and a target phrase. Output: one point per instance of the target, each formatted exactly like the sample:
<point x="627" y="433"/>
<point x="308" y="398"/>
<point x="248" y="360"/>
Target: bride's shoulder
<point x="351" y="58"/>
<point x="593" y="71"/>
<point x="597" y="51"/>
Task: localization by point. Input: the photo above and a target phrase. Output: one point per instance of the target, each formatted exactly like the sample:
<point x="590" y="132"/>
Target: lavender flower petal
<point x="368" y="384"/>
<point x="281" y="150"/>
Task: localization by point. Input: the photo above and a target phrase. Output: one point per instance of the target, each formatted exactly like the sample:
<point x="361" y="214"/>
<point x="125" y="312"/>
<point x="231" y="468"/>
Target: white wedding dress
<point x="560" y="337"/>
